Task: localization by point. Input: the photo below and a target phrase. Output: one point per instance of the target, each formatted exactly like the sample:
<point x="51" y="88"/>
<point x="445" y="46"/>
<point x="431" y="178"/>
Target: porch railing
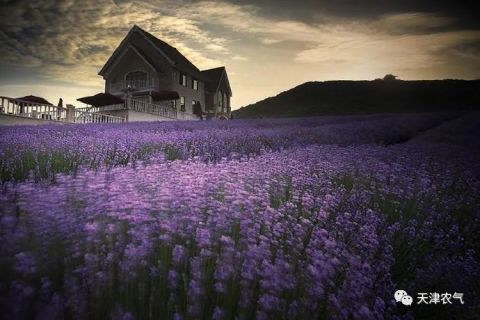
<point x="28" y="109"/>
<point x="113" y="107"/>
<point x="70" y="114"/>
<point x="93" y="117"/>
<point x="146" y="107"/>
<point x="118" y="87"/>
<point x="142" y="106"/>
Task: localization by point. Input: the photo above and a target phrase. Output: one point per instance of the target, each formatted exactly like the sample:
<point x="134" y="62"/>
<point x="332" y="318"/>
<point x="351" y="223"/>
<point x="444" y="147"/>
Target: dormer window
<point x="183" y="79"/>
<point x="136" y="80"/>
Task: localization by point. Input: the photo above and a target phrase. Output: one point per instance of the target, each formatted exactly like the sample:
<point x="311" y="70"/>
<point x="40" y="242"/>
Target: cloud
<point x="270" y="41"/>
<point x="397" y="42"/>
<point x="412" y="21"/>
<point x="371" y="46"/>
<point x="70" y="40"/>
<point x="241" y="18"/>
<point x="239" y="58"/>
<point x="215" y="47"/>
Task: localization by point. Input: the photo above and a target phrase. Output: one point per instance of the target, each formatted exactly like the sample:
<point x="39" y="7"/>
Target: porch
<point x="132" y="108"/>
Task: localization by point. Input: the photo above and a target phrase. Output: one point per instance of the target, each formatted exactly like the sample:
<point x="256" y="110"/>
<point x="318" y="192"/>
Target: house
<point x="156" y="81"/>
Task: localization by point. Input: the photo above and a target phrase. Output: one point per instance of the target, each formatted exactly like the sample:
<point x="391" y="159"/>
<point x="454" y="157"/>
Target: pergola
<point x="34" y="100"/>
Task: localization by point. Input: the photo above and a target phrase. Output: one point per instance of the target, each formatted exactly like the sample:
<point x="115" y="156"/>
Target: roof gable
<point x="179" y="60"/>
<point x="172" y="55"/>
<point x="137" y="52"/>
<point x="214" y="78"/>
<point x="128" y="44"/>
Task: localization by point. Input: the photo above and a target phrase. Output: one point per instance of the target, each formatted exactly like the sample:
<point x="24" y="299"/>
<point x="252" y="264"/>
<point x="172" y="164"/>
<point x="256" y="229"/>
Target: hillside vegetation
<point x="364" y="97"/>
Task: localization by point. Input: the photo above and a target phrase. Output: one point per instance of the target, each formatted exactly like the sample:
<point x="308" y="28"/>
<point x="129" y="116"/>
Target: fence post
<point x="70" y="115"/>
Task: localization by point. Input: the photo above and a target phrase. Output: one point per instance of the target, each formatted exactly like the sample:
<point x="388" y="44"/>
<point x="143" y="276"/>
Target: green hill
<point x="360" y="97"/>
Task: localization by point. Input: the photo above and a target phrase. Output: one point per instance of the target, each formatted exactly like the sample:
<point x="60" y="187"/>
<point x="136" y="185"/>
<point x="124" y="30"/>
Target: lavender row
<point x="43" y="151"/>
<point x="305" y="233"/>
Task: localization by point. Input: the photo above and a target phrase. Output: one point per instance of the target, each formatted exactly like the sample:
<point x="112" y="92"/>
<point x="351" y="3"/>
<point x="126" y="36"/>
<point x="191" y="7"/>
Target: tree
<point x="390" y="77"/>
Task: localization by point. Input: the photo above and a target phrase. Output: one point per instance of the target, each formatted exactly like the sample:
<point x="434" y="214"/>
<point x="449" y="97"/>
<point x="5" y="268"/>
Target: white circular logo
<point x="399" y="294"/>
<point x="403" y="297"/>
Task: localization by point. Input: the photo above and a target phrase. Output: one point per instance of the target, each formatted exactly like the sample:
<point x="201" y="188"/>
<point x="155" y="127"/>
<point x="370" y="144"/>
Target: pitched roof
<point x="213" y="77"/>
<point x="101" y="99"/>
<point x="178" y="59"/>
<point x="34" y="100"/>
<point x="181" y="62"/>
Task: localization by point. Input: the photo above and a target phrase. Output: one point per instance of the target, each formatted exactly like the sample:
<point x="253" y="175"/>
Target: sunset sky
<point x="55" y="48"/>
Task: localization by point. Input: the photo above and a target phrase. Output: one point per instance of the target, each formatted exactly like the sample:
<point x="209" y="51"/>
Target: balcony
<point x="137" y="85"/>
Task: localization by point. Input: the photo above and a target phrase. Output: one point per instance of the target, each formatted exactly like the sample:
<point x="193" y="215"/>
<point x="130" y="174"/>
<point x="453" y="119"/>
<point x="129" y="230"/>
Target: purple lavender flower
<point x="25" y="263"/>
<point x="178" y="254"/>
<point x="300" y="219"/>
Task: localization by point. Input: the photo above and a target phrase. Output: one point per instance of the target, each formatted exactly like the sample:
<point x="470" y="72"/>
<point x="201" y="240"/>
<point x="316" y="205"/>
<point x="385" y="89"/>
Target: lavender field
<point x="318" y="218"/>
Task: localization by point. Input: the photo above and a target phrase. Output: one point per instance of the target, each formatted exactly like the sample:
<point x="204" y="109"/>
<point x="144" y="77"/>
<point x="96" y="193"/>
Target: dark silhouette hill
<point x="363" y="97"/>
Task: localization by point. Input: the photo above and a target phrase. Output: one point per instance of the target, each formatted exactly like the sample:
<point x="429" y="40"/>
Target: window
<point x="219" y="100"/>
<point x="225" y="102"/>
<point x="174" y="104"/>
<point x="195" y="84"/>
<point x="183" y="79"/>
<point x="136" y="79"/>
<point x="182" y="104"/>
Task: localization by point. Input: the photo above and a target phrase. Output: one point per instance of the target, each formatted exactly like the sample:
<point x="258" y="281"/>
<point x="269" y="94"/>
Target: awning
<point x="101" y="99"/>
<point x="161" y="95"/>
<point x="34" y="100"/>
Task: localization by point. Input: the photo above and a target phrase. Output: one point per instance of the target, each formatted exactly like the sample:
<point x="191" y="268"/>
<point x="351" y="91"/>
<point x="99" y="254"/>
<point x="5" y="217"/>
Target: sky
<point x="55" y="48"/>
